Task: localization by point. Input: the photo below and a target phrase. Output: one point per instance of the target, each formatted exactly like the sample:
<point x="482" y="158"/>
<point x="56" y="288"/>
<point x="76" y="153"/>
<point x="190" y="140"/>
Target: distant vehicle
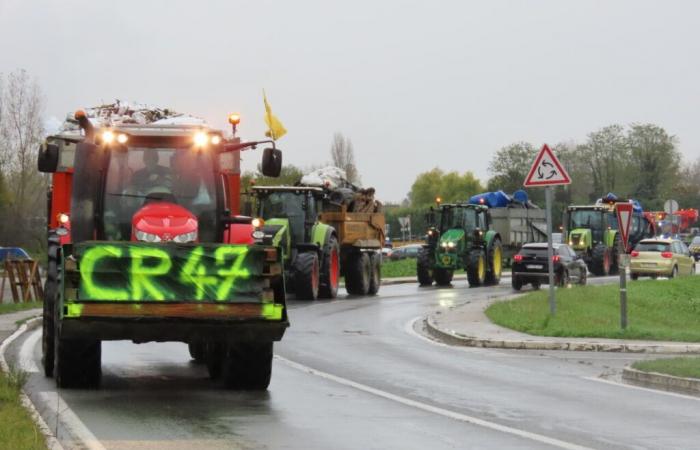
<point x="386" y="252"/>
<point x="12" y="253"/>
<point x="530" y="266"/>
<point x="407" y="251"/>
<point x="661" y="257"/>
<point x="695" y="248"/>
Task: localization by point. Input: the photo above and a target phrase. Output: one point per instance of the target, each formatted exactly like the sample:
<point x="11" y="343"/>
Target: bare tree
<point x="343" y="156"/>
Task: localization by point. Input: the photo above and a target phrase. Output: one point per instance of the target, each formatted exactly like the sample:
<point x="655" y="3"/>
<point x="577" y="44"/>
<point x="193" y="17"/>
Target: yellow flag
<point x="275" y="128"/>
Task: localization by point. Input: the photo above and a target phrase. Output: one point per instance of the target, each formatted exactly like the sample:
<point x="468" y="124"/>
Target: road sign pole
<point x="550" y="250"/>
<point x="624" y="213"/>
<point x="623" y="295"/>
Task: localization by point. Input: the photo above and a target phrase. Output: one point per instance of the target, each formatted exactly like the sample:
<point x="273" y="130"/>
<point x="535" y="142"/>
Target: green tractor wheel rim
<point x="497" y="262"/>
<point x="482" y="267"/>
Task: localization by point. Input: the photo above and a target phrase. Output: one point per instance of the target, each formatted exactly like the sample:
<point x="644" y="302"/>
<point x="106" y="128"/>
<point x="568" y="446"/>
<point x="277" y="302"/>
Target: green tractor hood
<point x="580" y="239"/>
<point x="454" y="235"/>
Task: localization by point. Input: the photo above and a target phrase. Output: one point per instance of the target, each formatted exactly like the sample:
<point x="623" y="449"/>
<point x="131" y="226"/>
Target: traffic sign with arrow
<point x="546" y="170"/>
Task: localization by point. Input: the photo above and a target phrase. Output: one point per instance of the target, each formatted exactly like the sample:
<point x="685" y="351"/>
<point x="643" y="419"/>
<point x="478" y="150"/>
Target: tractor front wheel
<point x="77" y="362"/>
<point x="330" y="270"/>
<point x="423" y="266"/>
<point x="306" y="276"/>
<point x="476" y="270"/>
<point x="357" y="274"/>
<point x="443" y="277"/>
<point x="600" y="260"/>
<point x="495" y="262"/>
<point x="615" y="252"/>
<point x="247" y="366"/>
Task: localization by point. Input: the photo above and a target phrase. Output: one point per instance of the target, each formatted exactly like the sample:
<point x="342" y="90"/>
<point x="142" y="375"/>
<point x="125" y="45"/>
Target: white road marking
<point x="71" y="422"/>
<point x="640" y="388"/>
<point x="434" y="409"/>
<point x="26" y="353"/>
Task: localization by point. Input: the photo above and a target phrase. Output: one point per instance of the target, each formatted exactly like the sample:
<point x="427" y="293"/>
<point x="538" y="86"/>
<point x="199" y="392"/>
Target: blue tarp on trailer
<point x="497" y="199"/>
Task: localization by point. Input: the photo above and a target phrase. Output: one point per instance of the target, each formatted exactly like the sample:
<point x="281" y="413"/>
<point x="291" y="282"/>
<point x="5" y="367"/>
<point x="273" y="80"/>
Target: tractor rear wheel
<point x="198" y="350"/>
<point x="357" y="274"/>
<point x="330" y="270"/>
<point x="375" y="279"/>
<point x="495" y="262"/>
<point x="247" y="366"/>
<point x="423" y="266"/>
<point x="306" y="276"/>
<point x="615" y="254"/>
<point x="476" y="270"/>
<point x="443" y="277"/>
<point x="600" y="260"/>
<point x="50" y="294"/>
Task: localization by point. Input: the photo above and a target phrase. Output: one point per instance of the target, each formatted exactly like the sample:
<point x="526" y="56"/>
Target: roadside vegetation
<point x="17" y="429"/>
<point x="657" y="310"/>
<point x="401" y="268"/>
<point x="6" y="308"/>
<point x="687" y="367"/>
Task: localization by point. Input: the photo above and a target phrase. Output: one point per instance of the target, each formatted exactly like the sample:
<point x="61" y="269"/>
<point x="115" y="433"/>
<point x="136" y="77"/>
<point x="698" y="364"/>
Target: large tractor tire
<point x="306" y="276"/>
<point x="77" y="362"/>
<point x="330" y="270"/>
<point x="600" y="260"/>
<point x="375" y="279"/>
<point x="357" y="274"/>
<point x="476" y="269"/>
<point x="615" y="252"/>
<point x="443" y="277"/>
<point x="247" y="366"/>
<point x="214" y="355"/>
<point x="424" y="268"/>
<point x="198" y="350"/>
<point x="50" y="294"/>
<point x="494" y="265"/>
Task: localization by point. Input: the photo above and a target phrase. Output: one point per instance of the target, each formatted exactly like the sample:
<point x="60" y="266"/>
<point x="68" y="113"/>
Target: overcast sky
<point x="414" y="84"/>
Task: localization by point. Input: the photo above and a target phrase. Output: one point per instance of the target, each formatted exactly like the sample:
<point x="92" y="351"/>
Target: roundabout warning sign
<point x="546" y="170"/>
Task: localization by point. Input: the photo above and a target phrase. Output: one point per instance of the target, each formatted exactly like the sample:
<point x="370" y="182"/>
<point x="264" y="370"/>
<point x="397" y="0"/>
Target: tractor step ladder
<point x="23" y="276"/>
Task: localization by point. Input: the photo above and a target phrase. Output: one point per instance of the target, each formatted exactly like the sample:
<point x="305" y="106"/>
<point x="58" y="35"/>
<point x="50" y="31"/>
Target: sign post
<point x="624" y="219"/>
<point x="547" y="171"/>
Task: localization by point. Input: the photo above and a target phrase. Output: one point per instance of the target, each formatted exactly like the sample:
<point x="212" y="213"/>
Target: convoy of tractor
<point x="146" y="243"/>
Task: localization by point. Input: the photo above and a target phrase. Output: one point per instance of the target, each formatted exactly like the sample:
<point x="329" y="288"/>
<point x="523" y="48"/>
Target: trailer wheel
<point x="600" y="260"/>
<point x="476" y="270"/>
<point x="443" y="277"/>
<point x="375" y="280"/>
<point x="330" y="270"/>
<point x="357" y="274"/>
<point x="425" y="273"/>
<point x="306" y="276"/>
<point x="495" y="262"/>
<point x="248" y="366"/>
<point x="50" y="292"/>
<point x="77" y="362"/>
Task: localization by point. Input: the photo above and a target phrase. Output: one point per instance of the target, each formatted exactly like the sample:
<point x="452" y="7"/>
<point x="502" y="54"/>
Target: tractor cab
<point x="458" y="221"/>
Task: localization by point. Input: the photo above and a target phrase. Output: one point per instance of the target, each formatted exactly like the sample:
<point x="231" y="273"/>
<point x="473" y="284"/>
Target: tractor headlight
<point x="186" y="237"/>
<point x="451" y="244"/>
<point x="257" y="222"/>
<point x="258" y="235"/>
<point x="443" y="244"/>
<point x="147" y="237"/>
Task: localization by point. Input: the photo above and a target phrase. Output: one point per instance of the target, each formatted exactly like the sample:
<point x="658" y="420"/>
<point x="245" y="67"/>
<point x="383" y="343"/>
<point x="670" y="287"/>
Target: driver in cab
<point x="152" y="175"/>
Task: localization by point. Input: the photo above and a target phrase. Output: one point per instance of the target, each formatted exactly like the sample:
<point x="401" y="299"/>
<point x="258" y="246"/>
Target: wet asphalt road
<point x="355" y="373"/>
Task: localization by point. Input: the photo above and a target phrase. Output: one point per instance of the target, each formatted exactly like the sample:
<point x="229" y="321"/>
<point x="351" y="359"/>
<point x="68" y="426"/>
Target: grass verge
<point x="687" y="367"/>
<point x="657" y="310"/>
<point x="402" y="268"/>
<point x="17" y="429"/>
<point x="6" y="308"/>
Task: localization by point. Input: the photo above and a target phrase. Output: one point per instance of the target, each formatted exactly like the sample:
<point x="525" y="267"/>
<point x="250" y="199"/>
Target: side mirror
<point x="272" y="162"/>
<point x="47" y="161"/>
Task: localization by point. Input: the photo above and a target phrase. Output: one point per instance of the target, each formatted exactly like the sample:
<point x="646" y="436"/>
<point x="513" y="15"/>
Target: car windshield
<point x="458" y="217"/>
<point x="586" y="218"/>
<point x="138" y="175"/>
<point x="653" y="247"/>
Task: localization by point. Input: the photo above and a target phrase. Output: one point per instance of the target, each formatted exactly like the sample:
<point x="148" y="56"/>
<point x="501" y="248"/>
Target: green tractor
<point x="592" y="231"/>
<point x="462" y="237"/>
<point x="288" y="218"/>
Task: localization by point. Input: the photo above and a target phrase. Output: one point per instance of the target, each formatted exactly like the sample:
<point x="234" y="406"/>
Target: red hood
<point x="163" y="219"/>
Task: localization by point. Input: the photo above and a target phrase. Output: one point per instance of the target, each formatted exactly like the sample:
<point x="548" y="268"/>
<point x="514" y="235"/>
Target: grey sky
<point x="414" y="84"/>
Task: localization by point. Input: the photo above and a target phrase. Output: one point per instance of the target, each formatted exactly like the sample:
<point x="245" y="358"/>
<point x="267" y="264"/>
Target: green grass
<point x="6" y="308"/>
<point x="401" y="268"/>
<point x="17" y="429"/>
<point x="657" y="310"/>
<point x="688" y="367"/>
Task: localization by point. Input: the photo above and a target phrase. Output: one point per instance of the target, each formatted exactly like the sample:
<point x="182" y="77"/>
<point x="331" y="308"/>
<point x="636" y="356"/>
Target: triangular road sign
<point x="546" y="170"/>
<point x="624" y="219"/>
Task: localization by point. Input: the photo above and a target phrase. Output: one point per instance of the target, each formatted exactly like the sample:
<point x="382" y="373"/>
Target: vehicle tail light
<point x="666" y="255"/>
<point x="518" y="258"/>
<point x="556" y="258"/>
<point x="634" y="253"/>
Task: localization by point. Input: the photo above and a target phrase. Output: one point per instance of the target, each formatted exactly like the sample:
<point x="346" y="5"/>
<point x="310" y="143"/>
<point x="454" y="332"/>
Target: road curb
<point x="453" y="338"/>
<point x="51" y="442"/>
<point x="414" y="280"/>
<point x="661" y="381"/>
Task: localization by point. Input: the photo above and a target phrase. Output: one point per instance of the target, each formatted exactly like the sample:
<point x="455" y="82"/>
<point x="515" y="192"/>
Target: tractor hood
<point x="164" y="221"/>
<point x="454" y="235"/>
<point x="580" y="238"/>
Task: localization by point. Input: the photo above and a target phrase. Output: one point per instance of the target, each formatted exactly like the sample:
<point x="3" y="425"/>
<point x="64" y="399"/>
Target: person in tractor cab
<point x="152" y="175"/>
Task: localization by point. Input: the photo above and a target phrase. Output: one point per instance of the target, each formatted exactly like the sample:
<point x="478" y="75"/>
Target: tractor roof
<point x="154" y="130"/>
<point x="294" y="189"/>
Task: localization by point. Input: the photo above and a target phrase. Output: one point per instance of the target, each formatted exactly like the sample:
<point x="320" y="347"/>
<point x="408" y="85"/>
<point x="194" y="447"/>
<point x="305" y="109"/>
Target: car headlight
<point x="186" y="237"/>
<point x="147" y="237"/>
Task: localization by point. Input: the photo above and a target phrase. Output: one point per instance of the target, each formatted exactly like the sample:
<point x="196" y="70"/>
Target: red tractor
<point x="145" y="244"/>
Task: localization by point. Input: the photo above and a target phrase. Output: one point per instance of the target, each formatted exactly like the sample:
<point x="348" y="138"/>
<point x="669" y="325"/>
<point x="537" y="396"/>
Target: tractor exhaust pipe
<point x="85" y="125"/>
